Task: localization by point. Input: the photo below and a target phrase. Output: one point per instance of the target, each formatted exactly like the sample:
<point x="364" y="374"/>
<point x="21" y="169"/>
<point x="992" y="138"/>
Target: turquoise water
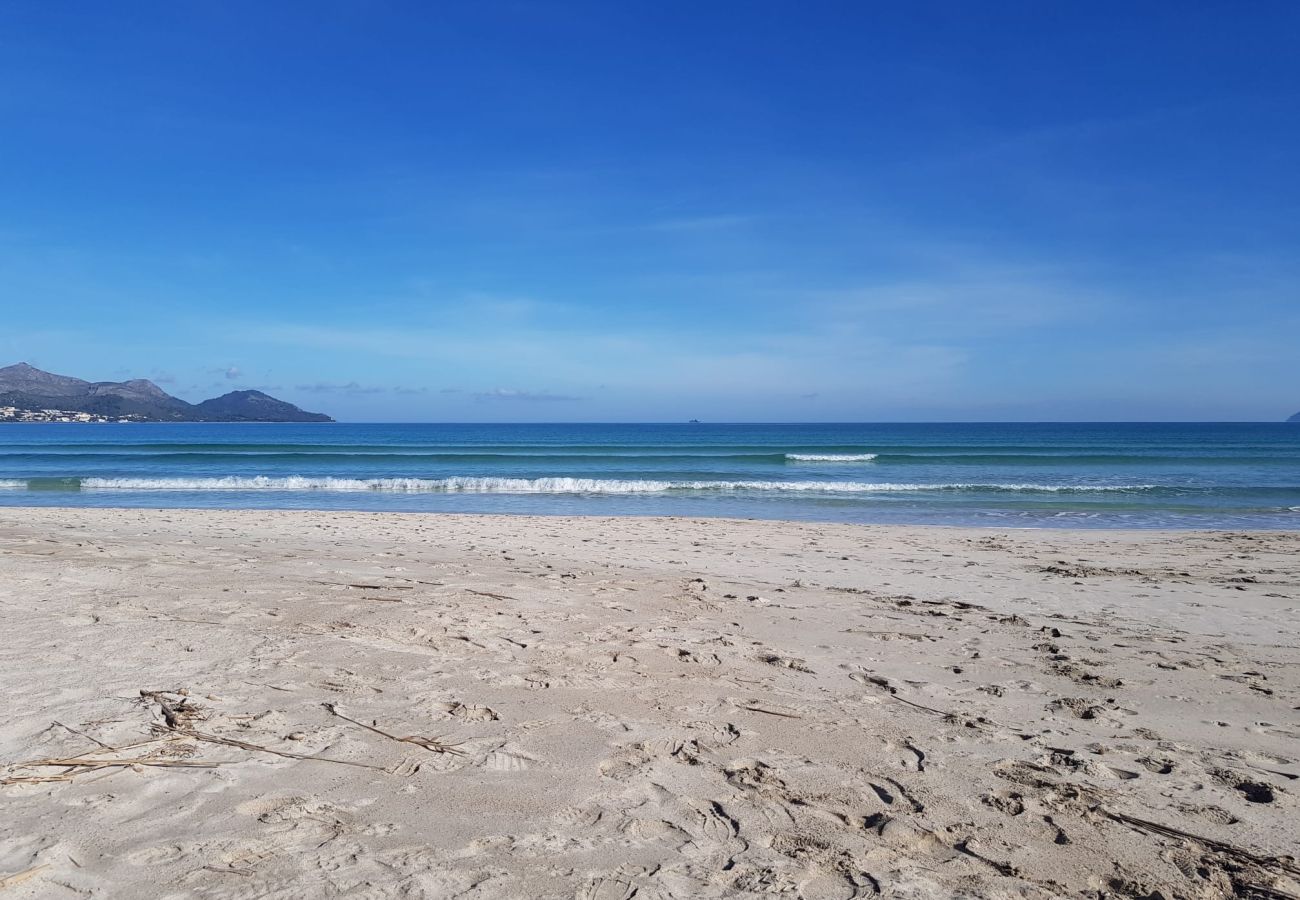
<point x="1089" y="475"/>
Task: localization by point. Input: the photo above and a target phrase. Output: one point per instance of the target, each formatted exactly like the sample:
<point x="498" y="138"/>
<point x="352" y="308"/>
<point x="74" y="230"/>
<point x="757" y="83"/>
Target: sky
<point x="658" y="211"/>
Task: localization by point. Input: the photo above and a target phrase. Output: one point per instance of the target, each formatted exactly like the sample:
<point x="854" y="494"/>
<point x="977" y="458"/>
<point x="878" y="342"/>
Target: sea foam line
<point x="468" y="485"/>
<point x="831" y="457"/>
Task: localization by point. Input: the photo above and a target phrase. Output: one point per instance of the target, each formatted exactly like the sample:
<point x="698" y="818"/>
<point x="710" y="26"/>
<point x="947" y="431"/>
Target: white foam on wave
<point x="831" y="457"/>
<point x="466" y="485"/>
<point x="11" y="484"/>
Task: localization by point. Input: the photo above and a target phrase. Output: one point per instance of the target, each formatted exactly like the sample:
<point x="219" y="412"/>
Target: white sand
<point x="644" y="708"/>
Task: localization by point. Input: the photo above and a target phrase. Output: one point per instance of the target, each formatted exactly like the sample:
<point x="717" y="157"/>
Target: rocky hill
<point x="28" y="388"/>
<point x="253" y="406"/>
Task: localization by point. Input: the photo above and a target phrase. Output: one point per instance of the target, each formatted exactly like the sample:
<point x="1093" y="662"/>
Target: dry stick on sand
<point x="34" y="779"/>
<point x="81" y="765"/>
<point x="244" y="745"/>
<point x="434" y="745"/>
<point x="1283" y="863"/>
<point x="490" y="594"/>
<point x="174" y="715"/>
<point x="93" y="740"/>
<point x="771" y="712"/>
<point x="177" y="718"/>
<point x="970" y="722"/>
<point x="87" y="763"/>
<point x="20" y="877"/>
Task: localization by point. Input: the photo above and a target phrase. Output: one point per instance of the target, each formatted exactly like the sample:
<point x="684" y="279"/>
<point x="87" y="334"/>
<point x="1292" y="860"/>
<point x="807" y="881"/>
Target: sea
<point x="1132" y="475"/>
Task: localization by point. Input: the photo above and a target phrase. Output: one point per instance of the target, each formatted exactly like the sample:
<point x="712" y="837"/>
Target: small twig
<point x="490" y="594"/>
<point x="910" y="635"/>
<point x="973" y="722"/>
<point x="771" y="712"/>
<point x="243" y="745"/>
<point x="186" y="621"/>
<point x="271" y="686"/>
<point x="20" y="877"/>
<point x="433" y="745"/>
<point x="370" y="587"/>
<point x="174" y="714"/>
<point x="1221" y="846"/>
<point x="83" y="734"/>
<point x="35" y="779"/>
<point x="87" y="763"/>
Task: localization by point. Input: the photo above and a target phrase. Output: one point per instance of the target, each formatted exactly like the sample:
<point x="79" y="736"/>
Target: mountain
<point x="253" y="406"/>
<point x="1295" y="418"/>
<point x="27" y="387"/>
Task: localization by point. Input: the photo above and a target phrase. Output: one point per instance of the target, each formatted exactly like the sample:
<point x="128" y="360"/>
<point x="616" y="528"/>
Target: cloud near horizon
<point x="351" y="387"/>
<point x="523" y="396"/>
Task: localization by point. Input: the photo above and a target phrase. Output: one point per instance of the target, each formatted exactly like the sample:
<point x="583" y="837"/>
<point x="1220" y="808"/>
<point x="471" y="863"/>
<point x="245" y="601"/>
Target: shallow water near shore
<point x="1131" y="475"/>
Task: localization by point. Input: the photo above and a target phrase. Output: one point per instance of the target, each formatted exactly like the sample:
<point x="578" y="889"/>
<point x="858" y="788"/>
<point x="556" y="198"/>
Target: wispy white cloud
<point x="350" y="387"/>
<point x="523" y="396"/>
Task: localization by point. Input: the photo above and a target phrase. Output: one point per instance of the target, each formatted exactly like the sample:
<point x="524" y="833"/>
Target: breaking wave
<point x="468" y="485"/>
<point x="830" y="457"/>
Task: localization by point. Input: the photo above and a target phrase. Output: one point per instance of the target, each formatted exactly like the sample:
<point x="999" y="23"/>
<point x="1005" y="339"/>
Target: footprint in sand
<point x="1009" y="803"/>
<point x="612" y="886"/>
<point x="580" y="816"/>
<point x="909" y="756"/>
<point x="785" y="662"/>
<point x="1253" y="791"/>
<point x="152" y="856"/>
<point x="468" y="712"/>
<point x="827" y="886"/>
<point x="1077" y="707"/>
<point x="508" y="759"/>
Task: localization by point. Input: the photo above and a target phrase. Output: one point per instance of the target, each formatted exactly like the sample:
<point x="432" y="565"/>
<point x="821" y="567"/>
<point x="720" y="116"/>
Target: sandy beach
<point x="312" y="704"/>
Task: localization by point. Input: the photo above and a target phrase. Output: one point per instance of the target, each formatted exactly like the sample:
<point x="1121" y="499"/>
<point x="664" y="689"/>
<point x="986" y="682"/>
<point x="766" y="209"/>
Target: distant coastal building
<point x="14" y="414"/>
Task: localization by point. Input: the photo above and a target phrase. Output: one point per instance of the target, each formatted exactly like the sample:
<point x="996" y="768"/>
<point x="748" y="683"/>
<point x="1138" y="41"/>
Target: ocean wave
<point x="830" y="457"/>
<point x="11" y="484"/>
<point x="469" y="485"/>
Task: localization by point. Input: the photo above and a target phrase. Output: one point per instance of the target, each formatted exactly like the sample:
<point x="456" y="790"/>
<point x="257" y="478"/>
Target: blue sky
<point x="645" y="211"/>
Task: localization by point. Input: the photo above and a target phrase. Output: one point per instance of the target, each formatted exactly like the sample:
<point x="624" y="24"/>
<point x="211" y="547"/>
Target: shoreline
<point x="1043" y="526"/>
<point x="672" y="706"/>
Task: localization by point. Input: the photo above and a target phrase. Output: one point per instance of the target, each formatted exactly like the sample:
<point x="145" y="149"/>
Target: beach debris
<point x="245" y="745"/>
<point x="7" y="881"/>
<point x="175" y="714"/>
<point x="432" y="744"/>
<point x="951" y="718"/>
<point x="1277" y="863"/>
<point x="93" y="740"/>
<point x="490" y="595"/>
<point x="90" y="762"/>
<point x="178" y="717"/>
<point x="756" y="706"/>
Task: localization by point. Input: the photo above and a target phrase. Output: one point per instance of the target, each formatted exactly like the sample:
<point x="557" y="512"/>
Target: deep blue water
<point x="1003" y="475"/>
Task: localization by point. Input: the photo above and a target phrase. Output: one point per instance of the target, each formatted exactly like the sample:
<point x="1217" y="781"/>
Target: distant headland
<point x="1295" y="418"/>
<point x="28" y="394"/>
